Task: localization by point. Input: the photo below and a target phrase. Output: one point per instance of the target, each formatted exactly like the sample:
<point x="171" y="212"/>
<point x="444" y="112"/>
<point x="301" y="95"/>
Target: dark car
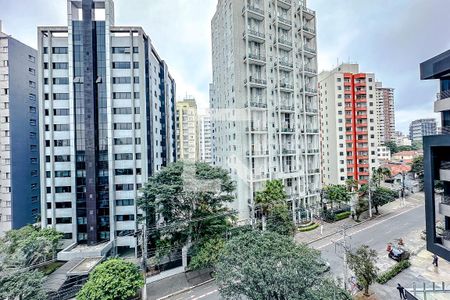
<point x="398" y="254"/>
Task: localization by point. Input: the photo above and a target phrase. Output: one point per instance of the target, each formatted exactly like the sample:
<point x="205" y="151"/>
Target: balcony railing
<point x="256" y="33"/>
<point x="258" y="152"/>
<point x="256" y="81"/>
<point x="256" y="57"/>
<point x="285" y="21"/>
<point x="443" y="95"/>
<point x="308" y="90"/>
<point x="287" y="64"/>
<point x="310" y="70"/>
<point x="288" y="151"/>
<point x="286" y="107"/>
<point x="309" y="29"/>
<point x="255" y="104"/>
<point x="285" y="41"/>
<point x="308" y="11"/>
<point x="256" y="129"/>
<point x="284" y="85"/>
<point x="311" y="50"/>
<point x="308" y="130"/>
<point x="254" y="9"/>
<point x="313" y="171"/>
<point x="285" y="2"/>
<point x="286" y="130"/>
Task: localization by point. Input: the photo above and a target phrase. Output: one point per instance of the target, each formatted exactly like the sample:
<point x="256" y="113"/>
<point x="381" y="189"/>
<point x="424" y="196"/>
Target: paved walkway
<point x="333" y="228"/>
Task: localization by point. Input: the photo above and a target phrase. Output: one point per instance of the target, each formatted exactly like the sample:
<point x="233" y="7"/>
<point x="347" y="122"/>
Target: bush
<point x="394" y="271"/>
<point x="341" y="216"/>
<point x="309" y="227"/>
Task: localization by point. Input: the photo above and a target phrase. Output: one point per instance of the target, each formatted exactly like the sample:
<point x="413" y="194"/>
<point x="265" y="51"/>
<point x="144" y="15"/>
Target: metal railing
<point x="256" y="33"/>
<point x="445" y="165"/>
<point x="258" y="152"/>
<point x="285" y="21"/>
<point x="255" y="104"/>
<point x="306" y="48"/>
<point x="285" y="85"/>
<point x="285" y="41"/>
<point x="256" y="80"/>
<point x="290" y="130"/>
<point x="427" y="292"/>
<point x="443" y="95"/>
<point x="309" y="29"/>
<point x="286" y="107"/>
<point x="256" y="57"/>
<point x="286" y="63"/>
<point x="308" y="90"/>
<point x="307" y="10"/>
<point x="253" y="9"/>
<point x="288" y="151"/>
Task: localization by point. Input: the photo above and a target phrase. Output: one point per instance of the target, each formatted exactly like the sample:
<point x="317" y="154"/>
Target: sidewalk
<point x="333" y="228"/>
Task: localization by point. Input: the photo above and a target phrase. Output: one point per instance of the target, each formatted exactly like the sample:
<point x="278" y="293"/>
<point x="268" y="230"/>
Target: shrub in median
<point x="342" y="215"/>
<point x="394" y="271"/>
<point x="309" y="227"/>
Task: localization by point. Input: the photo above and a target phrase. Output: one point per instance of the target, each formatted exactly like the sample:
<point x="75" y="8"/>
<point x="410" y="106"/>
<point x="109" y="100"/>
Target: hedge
<point x="394" y="271"/>
<point x="308" y="228"/>
<point x="341" y="216"/>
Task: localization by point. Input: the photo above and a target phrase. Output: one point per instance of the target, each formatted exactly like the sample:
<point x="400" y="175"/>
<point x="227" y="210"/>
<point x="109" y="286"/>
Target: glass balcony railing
<point x="443" y="95"/>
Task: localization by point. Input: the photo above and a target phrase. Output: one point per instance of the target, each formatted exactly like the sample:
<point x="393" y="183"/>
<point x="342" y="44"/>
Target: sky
<point x="386" y="37"/>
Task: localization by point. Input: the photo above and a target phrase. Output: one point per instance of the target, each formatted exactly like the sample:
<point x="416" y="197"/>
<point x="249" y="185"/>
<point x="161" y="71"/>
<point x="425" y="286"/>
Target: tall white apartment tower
<point x="386" y="113"/>
<point x="107" y="123"/>
<point x="349" y="124"/>
<point x="205" y="138"/>
<point x="187" y="130"/>
<point x="264" y="100"/>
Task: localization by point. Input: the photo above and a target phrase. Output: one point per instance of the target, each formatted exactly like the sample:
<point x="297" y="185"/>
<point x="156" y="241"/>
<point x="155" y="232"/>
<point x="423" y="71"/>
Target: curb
<point x="186" y="289"/>
<point x="355" y="225"/>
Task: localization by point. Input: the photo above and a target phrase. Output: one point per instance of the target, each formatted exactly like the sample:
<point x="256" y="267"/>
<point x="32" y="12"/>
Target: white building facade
<point x="349" y="124"/>
<point x="205" y="139"/>
<point x="188" y="131"/>
<point x="107" y="123"/>
<point x="264" y="106"/>
<point x="385" y="113"/>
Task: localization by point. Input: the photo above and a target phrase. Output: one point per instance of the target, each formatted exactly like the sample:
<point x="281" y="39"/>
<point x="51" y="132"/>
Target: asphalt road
<point x="376" y="234"/>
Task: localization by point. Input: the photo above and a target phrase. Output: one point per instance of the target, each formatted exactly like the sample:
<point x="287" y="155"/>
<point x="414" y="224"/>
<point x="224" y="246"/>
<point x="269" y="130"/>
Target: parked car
<point x="398" y="254"/>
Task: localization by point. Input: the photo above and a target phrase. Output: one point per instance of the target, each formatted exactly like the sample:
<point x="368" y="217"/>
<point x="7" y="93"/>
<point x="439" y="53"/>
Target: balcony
<point x="288" y="152"/>
<point x="258" y="153"/>
<point x="312" y="131"/>
<point x="255" y="59"/>
<point x="284" y="23"/>
<point x="309" y="72"/>
<point x="286" y="4"/>
<point x="286" y="108"/>
<point x="308" y="14"/>
<point x="313" y="171"/>
<point x="311" y="111"/>
<point x="308" y="32"/>
<point x="442" y="102"/>
<point x="255" y="82"/>
<point x="309" y="91"/>
<point x="284" y="65"/>
<point x="259" y="177"/>
<point x="253" y="12"/>
<point x="254" y="36"/>
<point x="284" y="43"/>
<point x="309" y="52"/>
<point x="312" y="151"/>
<point x="285" y="87"/>
<point x="285" y="130"/>
<point x="256" y="130"/>
<point x="256" y="105"/>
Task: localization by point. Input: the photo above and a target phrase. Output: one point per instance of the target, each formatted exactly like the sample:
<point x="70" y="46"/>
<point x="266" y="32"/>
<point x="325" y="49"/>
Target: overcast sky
<point x="387" y="37"/>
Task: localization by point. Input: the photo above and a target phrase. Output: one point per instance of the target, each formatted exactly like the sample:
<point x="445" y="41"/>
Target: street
<point x="406" y="222"/>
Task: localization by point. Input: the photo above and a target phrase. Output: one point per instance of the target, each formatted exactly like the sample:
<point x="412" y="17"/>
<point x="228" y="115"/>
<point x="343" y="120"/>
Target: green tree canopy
<point x="207" y="254"/>
<point x="382" y="196"/>
<point x="115" y="279"/>
<point x="268" y="266"/>
<point x="188" y="201"/>
<point x="271" y="196"/>
<point x="280" y="221"/>
<point x="363" y="264"/>
<point x="392" y="146"/>
<point x="28" y="246"/>
<point x="337" y="194"/>
<point x="25" y="285"/>
<point x="381" y="174"/>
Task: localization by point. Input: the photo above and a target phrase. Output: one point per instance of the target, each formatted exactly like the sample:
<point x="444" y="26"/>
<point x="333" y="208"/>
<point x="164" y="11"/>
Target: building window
<point x="61" y="81"/>
<point x="60" y="66"/>
<point x="60" y="96"/>
<point x="60" y="112"/>
<point x="31" y="58"/>
<point x="121" y="95"/>
<point x="66" y="220"/>
<point x="32" y="122"/>
<point x="62" y="174"/>
<point x="123" y="126"/>
<point x="60" y="50"/>
<point x="32" y="97"/>
<point x="122" y="111"/>
<point x="125" y="187"/>
<point x="33" y="160"/>
<point x="61" y="127"/>
<point x="122" y="218"/>
<point x="121" y="65"/>
<point x="32" y="71"/>
<point x="120" y="50"/>
<point x="120" y="172"/>
<point x="122" y="80"/>
<point x="63" y="189"/>
<point x="32" y="109"/>
<point x="125" y="202"/>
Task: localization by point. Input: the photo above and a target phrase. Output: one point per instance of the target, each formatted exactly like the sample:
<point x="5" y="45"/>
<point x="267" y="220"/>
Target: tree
<point x="363" y="264"/>
<point x="265" y="265"/>
<point x="417" y="169"/>
<point x="24" y="285"/>
<point x="272" y="195"/>
<point x="28" y="246"/>
<point x="185" y="203"/>
<point x="381" y="174"/>
<point x="382" y="196"/>
<point x="280" y="221"/>
<point x="392" y="146"/>
<point x="115" y="279"/>
<point x="352" y="185"/>
<point x="207" y="254"/>
<point x="337" y="194"/>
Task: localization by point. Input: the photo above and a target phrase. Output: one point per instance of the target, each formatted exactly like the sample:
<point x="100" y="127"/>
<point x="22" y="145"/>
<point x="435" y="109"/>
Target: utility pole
<point x="345" y="258"/>
<point x="403" y="187"/>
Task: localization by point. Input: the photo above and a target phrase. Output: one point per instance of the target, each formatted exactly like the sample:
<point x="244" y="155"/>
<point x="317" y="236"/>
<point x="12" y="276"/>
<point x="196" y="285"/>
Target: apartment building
<point x="385" y="113"/>
<point x="437" y="160"/>
<point x="401" y="139"/>
<point x="422" y="127"/>
<point x="205" y="139"/>
<point x="107" y="123"/>
<point x="188" y="131"/>
<point x="264" y="106"/>
<point x="19" y="145"/>
<point x="349" y="124"/>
